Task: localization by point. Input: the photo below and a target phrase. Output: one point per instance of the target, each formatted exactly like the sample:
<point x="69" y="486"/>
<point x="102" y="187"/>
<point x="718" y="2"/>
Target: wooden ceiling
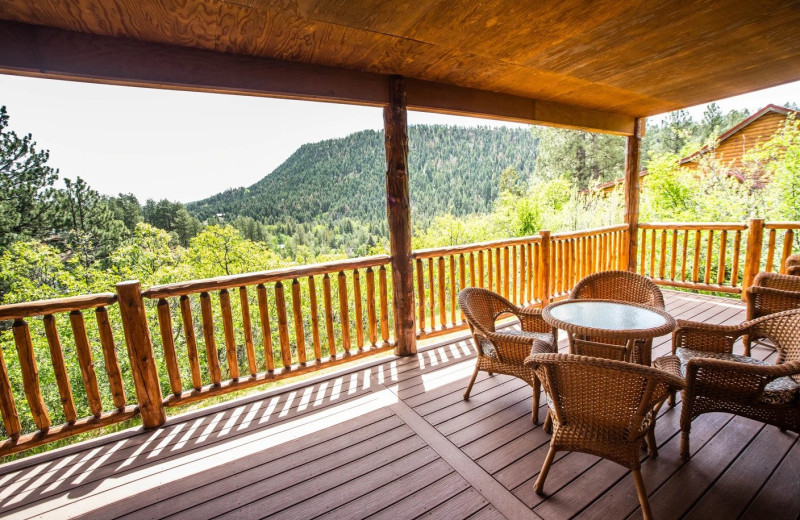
<point x="631" y="58"/>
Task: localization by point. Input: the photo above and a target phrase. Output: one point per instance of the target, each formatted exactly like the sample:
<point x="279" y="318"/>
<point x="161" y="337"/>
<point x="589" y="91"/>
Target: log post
<point x="398" y="213"/>
<point x="752" y="255"/>
<point x="544" y="268"/>
<point x="140" y="351"/>
<point x="632" y="191"/>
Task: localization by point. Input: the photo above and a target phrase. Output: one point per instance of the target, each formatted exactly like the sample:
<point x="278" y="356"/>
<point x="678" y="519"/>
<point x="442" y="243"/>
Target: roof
<point x="617" y="58"/>
<point x="769" y="109"/>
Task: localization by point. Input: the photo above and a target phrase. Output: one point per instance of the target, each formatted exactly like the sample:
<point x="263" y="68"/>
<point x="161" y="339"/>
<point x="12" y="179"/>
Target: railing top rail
<point x="274" y="275"/>
<point x="588" y="232"/>
<point x="782" y="225"/>
<point x="16" y="311"/>
<point x="703" y="226"/>
<point x="420" y="254"/>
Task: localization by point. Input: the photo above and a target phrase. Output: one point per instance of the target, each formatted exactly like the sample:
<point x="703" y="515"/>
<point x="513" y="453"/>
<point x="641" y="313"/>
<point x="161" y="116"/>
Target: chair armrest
<point x="762" y="301"/>
<point x="511" y="348"/>
<point x="531" y="320"/>
<point x="731" y="380"/>
<point x="672" y="366"/>
<point x="707" y="337"/>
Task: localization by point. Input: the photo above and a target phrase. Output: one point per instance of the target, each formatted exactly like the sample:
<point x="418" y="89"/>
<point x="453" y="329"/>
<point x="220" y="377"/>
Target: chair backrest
<point x="771" y="293"/>
<point x="482" y="307"/>
<point x="621" y="286"/>
<point x="601" y="392"/>
<point x="783" y="329"/>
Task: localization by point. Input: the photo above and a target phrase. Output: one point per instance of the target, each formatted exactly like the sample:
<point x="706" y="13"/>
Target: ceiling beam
<point x="58" y="54"/>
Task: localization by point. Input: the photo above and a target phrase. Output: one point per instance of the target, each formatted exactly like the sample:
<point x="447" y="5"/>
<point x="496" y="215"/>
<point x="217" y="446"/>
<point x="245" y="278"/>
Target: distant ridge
<point x="452" y="169"/>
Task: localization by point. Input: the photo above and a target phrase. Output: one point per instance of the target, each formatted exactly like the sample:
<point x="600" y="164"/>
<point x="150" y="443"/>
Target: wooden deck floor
<point x="395" y="440"/>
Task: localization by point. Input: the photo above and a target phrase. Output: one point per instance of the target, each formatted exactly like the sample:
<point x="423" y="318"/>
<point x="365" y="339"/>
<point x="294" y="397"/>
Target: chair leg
<point x="672" y="399"/>
<point x="537" y="390"/>
<point x="548" y="461"/>
<point x="652" y="447"/>
<point x="685" y="444"/>
<point x="471" y="382"/>
<point x="746" y="342"/>
<point x="642" y="493"/>
<point x="548" y="423"/>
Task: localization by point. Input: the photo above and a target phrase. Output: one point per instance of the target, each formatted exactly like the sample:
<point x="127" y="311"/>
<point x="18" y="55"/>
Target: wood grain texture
<point x="210" y="340"/>
<point x="112" y="363"/>
<point x="86" y="362"/>
<point x="59" y="368"/>
<point x="191" y="341"/>
<point x="30" y="374"/>
<point x="247" y="329"/>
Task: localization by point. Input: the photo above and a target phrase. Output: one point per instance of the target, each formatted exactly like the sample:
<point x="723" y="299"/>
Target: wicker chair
<point x="505" y="352"/>
<point x="793" y="265"/>
<point x="770" y="293"/>
<point x="621" y="286"/>
<point x="719" y="381"/>
<point x="605" y="408"/>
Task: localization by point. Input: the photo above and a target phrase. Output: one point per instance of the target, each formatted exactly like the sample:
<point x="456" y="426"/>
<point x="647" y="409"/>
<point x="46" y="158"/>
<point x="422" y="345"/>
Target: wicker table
<point x="612" y="321"/>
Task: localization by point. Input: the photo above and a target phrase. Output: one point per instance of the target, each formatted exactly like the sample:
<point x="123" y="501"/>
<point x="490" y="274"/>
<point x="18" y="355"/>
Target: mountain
<point x="452" y="169"/>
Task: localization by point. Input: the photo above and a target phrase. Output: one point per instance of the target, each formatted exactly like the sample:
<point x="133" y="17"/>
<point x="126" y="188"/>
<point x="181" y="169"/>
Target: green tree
<point x="219" y="250"/>
<point x="26" y="186"/>
<point x="586" y="158"/>
<point x="126" y="209"/>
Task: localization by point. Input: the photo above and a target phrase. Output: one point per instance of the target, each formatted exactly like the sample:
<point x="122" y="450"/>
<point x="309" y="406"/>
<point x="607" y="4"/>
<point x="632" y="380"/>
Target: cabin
<point x="373" y="354"/>
<point x="740" y="139"/>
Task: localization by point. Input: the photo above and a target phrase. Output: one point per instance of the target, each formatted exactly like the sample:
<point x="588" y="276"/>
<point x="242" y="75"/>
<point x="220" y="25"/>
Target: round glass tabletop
<point x="606" y="315"/>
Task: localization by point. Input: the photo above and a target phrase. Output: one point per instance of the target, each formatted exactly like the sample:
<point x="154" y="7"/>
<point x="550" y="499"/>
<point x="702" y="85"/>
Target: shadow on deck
<point x="394" y="439"/>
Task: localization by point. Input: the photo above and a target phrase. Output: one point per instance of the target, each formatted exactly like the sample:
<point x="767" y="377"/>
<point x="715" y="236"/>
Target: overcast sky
<point x="188" y="145"/>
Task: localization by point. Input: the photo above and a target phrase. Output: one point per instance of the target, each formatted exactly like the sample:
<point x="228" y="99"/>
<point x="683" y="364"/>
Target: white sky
<point x="187" y="145"/>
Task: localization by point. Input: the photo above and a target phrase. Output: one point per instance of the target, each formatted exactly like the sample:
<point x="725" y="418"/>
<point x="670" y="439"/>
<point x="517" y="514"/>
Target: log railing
<point x="90" y="393"/>
<point x="719" y="257"/>
<point x="192" y="340"/>
<point x="244" y="330"/>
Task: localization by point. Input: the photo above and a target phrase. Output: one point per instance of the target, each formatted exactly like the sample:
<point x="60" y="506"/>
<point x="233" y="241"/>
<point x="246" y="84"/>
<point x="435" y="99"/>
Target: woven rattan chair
<point x="719" y="381"/>
<point x="793" y="265"/>
<point x="770" y="293"/>
<point x="605" y="408"/>
<point x="622" y="286"/>
<point x="504" y="351"/>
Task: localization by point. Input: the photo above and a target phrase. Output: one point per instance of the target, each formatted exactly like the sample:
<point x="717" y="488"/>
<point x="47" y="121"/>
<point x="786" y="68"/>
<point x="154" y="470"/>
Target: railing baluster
<point x="737" y="244"/>
<point x="208" y="336"/>
<point x="684" y="253"/>
<point x="7" y="406"/>
<point x="312" y="297"/>
<point x="359" y="315"/>
<point x="531" y="271"/>
<point x="523" y="279"/>
<point x="344" y="313"/>
<point x="266" y="328"/>
<point x="787" y="249"/>
<point x="506" y="274"/>
<point x="514" y="276"/>
<point x="229" y="333"/>
<point x="652" y="253"/>
<point x="462" y="274"/>
<point x="30" y="374"/>
<point x="642" y="248"/>
<point x="167" y="342"/>
<point x="86" y="362"/>
<point x="480" y="271"/>
<point x="723" y="246"/>
<point x="431" y="295"/>
<point x="328" y="304"/>
<point x="247" y="326"/>
<point x="472" y="270"/>
<point x="297" y="315"/>
<point x="498" y="272"/>
<point x="673" y="254"/>
<point x="110" y="356"/>
<point x="770" y="251"/>
<point x="191" y="341"/>
<point x="452" y="290"/>
<point x="662" y="264"/>
<point x="283" y="325"/>
<point x="442" y="295"/>
<point x="535" y="278"/>
<point x="420" y="295"/>
<point x="709" y="252"/>
<point x="59" y="368"/>
<point x="384" y="305"/>
<point x="696" y="259"/>
<point x="371" y="316"/>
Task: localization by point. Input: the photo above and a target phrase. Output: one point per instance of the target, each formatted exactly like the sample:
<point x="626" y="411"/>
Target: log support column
<point x="632" y="191"/>
<point x="398" y="213"/>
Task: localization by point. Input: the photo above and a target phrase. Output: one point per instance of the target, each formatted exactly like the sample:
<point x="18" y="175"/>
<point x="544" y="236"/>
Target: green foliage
<point x="26" y="187"/>
<point x="586" y="158"/>
<point x="219" y="251"/>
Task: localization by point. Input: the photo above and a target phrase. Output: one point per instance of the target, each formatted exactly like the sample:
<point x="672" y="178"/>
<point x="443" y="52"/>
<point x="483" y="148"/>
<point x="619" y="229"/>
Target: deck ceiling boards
<point x="634" y="58"/>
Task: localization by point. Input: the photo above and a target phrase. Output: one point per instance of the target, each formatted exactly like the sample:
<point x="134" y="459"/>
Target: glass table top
<point x="606" y="315"/>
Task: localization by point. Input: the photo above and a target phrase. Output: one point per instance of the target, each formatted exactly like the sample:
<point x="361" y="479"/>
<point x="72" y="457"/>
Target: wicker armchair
<point x="504" y="352"/>
<point x="719" y="381"/>
<point x="770" y="293"/>
<point x="621" y="286"/>
<point x="793" y="265"/>
<point x="605" y="408"/>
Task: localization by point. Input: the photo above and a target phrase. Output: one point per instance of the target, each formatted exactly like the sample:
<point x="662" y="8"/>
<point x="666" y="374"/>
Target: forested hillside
<point x="454" y="170"/>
